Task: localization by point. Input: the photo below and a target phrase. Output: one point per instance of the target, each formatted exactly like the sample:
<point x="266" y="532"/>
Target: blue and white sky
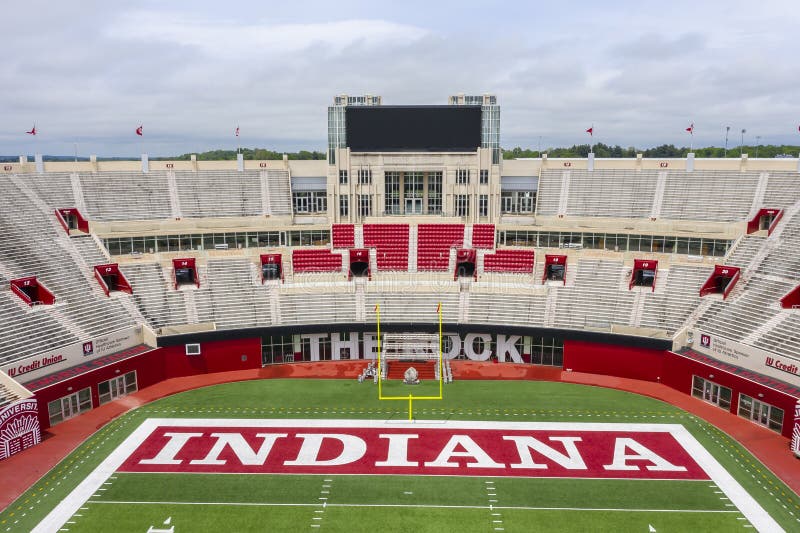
<point x="89" y="72"/>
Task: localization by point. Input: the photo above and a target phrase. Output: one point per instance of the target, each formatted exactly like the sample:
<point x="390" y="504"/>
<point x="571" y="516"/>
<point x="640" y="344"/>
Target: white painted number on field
<point x="167" y="522"/>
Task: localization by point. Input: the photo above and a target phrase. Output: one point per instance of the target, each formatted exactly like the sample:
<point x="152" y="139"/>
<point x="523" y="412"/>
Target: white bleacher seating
<point x="414" y="307"/>
<point x="753" y="307"/>
<point x="709" y="195"/>
<point x="516" y="309"/>
<point x="160" y="304"/>
<point x="670" y="309"/>
<point x="596" y="301"/>
<point x="231" y="299"/>
<point x="126" y="195"/>
<point x="611" y="193"/>
<point x="783" y="190"/>
<point x="33" y="246"/>
<point x="219" y="193"/>
<point x="317" y="308"/>
<point x="55" y="188"/>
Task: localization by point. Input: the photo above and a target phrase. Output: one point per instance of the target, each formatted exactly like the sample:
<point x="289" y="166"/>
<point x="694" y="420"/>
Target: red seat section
<point x="315" y="260"/>
<point x="434" y="242"/>
<point x="483" y="236"/>
<point x="426" y="370"/>
<point x="514" y="261"/>
<point x="391" y="244"/>
<point x="343" y="235"/>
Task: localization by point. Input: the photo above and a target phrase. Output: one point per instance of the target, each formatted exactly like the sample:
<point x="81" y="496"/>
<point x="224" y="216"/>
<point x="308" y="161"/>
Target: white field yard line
<point x="742" y="499"/>
<point x="71" y="504"/>
<point x="417" y="506"/>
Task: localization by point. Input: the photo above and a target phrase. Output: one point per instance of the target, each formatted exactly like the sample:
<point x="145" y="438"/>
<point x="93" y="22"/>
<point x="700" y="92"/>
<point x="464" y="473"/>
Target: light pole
<point x="540" y="146"/>
<point x="758" y="142"/>
<point x="741" y="146"/>
<point x="727" y="131"/>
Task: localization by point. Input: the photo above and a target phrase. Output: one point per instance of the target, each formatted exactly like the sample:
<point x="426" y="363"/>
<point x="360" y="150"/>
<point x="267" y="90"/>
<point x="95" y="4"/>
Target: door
<point x="711" y="392"/>
<point x="69" y="406"/>
<point x="760" y="413"/>
<point x="413" y="206"/>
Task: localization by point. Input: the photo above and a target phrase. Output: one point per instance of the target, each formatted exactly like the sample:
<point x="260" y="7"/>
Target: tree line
<point x="665" y="150"/>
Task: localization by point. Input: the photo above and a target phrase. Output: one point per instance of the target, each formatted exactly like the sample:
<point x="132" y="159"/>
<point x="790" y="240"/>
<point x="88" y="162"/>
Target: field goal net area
<point x="411" y="347"/>
<point x="402" y="351"/>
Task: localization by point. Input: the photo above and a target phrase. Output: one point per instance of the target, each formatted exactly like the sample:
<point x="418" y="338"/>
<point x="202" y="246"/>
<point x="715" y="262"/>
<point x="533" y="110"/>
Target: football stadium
<point x="412" y="334"/>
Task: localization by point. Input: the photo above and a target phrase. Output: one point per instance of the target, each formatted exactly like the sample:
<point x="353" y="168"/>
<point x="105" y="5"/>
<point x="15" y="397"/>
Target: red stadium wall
<point x="219" y="356"/>
<point x="612" y="360"/>
<point x="149" y="371"/>
<point x="158" y="365"/>
<point x="678" y="371"/>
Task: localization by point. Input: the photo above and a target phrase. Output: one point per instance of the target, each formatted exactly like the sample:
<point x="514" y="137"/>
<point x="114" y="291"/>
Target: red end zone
<point x="283" y="447"/>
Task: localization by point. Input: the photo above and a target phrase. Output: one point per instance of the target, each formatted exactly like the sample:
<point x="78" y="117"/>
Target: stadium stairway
<point x="426" y="370"/>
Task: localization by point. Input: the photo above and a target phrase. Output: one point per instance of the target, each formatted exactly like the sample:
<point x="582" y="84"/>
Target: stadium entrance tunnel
<point x="271" y="267"/>
<point x="721" y="281"/>
<point x="644" y="273"/>
<point x="31" y="291"/>
<point x="111" y="279"/>
<point x="359" y="263"/>
<point x="792" y="299"/>
<point x="72" y="219"/>
<point x="555" y="268"/>
<point x="765" y="219"/>
<point x="185" y="272"/>
<point x="465" y="264"/>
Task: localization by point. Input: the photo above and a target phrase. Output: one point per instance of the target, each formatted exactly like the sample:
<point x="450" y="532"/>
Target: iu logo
<point x="705" y="341"/>
<point x="88" y="348"/>
<point x="7" y="168"/>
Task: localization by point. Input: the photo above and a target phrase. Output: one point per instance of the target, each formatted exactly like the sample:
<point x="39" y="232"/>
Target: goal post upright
<point x="404" y="341"/>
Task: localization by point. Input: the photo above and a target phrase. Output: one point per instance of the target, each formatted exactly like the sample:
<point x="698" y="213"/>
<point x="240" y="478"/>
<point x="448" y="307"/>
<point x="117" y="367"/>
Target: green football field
<point x="140" y="502"/>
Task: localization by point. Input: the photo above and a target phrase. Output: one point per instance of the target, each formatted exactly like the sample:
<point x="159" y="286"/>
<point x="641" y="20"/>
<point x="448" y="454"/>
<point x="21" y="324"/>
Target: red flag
<point x="590" y="131"/>
<point x="237" y="131"/>
<point x="139" y="131"/>
<point x="33" y="130"/>
<point x="690" y="129"/>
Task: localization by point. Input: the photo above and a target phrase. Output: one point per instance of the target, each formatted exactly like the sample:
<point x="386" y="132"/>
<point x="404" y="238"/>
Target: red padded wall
<point x="678" y="371"/>
<point x="220" y="356"/>
<point x="612" y="360"/>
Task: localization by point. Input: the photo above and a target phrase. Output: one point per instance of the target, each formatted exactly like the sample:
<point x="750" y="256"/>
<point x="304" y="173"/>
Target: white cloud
<point x="91" y="71"/>
<point x="229" y="40"/>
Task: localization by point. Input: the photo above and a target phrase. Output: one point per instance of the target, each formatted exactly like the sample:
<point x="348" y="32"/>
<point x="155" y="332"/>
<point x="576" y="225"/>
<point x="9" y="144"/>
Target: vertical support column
<point x="590" y="162"/>
<point x="39" y="163"/>
<point x="145" y="164"/>
<point x="690" y="162"/>
<point x="93" y="162"/>
<point x="240" y="162"/>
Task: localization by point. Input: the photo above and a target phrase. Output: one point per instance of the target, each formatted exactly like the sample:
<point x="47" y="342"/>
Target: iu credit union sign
<point x="19" y="427"/>
<point x="748" y="357"/>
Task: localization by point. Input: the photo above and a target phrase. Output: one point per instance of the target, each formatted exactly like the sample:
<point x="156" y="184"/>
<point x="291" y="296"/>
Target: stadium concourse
<point x="124" y="281"/>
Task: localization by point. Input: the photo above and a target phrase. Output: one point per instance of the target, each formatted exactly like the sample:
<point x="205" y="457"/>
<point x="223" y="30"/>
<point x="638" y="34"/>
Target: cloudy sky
<point x="89" y="72"/>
